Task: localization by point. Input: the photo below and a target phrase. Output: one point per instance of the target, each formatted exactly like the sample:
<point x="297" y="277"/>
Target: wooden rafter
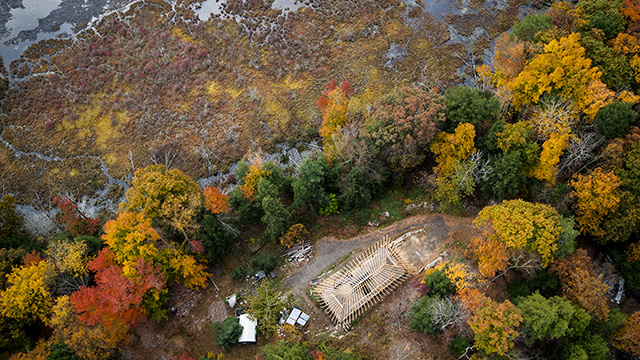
<point x="362" y="282"/>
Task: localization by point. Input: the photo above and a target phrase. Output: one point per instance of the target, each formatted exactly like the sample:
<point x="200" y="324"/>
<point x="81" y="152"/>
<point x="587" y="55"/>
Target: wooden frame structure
<point x="361" y="283"/>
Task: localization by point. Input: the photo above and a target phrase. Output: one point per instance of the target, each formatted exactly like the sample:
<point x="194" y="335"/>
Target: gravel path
<point x="330" y="250"/>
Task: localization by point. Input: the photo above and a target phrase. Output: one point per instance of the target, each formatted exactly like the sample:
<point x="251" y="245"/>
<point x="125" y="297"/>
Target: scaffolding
<point x="362" y="282"/>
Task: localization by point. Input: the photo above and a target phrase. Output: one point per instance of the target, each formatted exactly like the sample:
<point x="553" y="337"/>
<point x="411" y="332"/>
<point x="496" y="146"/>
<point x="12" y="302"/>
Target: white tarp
<point x="249" y="325"/>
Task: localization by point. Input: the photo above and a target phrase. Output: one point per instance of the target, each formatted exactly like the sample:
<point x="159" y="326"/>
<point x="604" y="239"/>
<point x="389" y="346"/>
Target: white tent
<point x="249" y="325"/>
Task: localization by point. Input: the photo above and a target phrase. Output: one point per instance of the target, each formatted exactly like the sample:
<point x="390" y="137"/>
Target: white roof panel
<point x="249" y="325"/>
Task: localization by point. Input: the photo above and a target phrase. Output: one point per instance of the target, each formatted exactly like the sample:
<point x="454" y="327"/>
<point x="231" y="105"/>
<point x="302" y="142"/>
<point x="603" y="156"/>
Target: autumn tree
<point x="581" y="284"/>
<point x="519" y="225"/>
<point x="628" y="338"/>
<point x="493" y="324"/>
<point x="75" y="222"/>
<point x="562" y="69"/>
<point x="131" y="238"/>
<point x="403" y="123"/>
<point x="598" y="196"/>
<point x="333" y="103"/>
<point x="553" y="117"/>
<point x="451" y="148"/>
<point x="552" y="149"/>
<point x="68" y="256"/>
<point x="28" y="294"/>
<point x="492" y="254"/>
<point x="251" y="176"/>
<point x="215" y="201"/>
<point x="295" y="234"/>
<point x="169" y="196"/>
<point x="567" y="17"/>
<point x="116" y="300"/>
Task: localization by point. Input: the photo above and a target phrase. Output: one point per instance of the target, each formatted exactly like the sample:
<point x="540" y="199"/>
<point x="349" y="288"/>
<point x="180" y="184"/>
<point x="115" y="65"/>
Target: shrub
<point x="421" y="316"/>
<point x="239" y="272"/>
<point x="266" y="262"/>
<point x="228" y="332"/>
<point x="438" y="283"/>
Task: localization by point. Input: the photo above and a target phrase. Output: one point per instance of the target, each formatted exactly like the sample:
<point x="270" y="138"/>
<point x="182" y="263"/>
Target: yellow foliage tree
<point x="28" y="296"/>
<point x="522" y="225"/>
<point x="633" y="252"/>
<point x="598" y="194"/>
<point x="253" y="175"/>
<point x="68" y="257"/>
<point x="61" y="312"/>
<point x="552" y="149"/>
<point x="513" y="136"/>
<point x="459" y="274"/>
<point x="131" y="237"/>
<point x="451" y="148"/>
<point x="170" y="196"/>
<point x="563" y="69"/>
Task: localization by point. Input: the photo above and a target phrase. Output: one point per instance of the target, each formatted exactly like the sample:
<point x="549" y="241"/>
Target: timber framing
<point x="362" y="282"/>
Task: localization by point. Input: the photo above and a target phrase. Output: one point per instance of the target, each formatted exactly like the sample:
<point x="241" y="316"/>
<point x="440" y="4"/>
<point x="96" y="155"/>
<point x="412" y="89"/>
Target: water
<point x="25" y="22"/>
<point x="216" y="7"/>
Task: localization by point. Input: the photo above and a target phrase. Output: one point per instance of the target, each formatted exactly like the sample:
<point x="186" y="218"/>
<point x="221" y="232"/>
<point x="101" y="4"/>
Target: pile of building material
<point x="300" y="251"/>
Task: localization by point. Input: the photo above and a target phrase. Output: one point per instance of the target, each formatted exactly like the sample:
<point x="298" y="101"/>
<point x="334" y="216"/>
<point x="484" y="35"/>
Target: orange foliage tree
<point x="492" y="254"/>
<point x="628" y="338"/>
<point x="598" y="196"/>
<point x="581" y="284"/>
<point x="494" y="324"/>
<point x="215" y="201"/>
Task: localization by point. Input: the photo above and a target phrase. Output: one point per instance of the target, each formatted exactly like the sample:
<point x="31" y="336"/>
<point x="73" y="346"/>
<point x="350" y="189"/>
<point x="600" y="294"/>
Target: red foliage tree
<point x="116" y="300"/>
<point x="75" y="222"/>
